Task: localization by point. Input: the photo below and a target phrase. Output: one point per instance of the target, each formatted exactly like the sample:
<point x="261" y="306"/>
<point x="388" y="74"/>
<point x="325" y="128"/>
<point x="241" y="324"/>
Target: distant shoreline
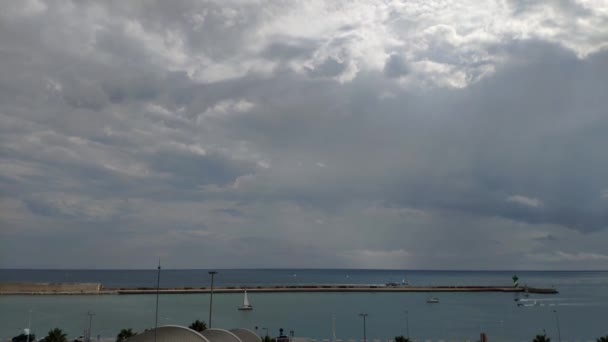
<point x="305" y="269"/>
<point x="98" y="289"/>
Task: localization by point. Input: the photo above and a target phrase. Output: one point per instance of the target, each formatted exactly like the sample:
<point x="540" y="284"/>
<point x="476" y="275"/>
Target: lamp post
<point x="213" y="273"/>
<point x="29" y="325"/>
<point x="364" y="315"/>
<point x="266" y="329"/>
<point x="502" y="329"/>
<point x="559" y="333"/>
<point x="407" y="324"/>
<point x="157" y="295"/>
<point x="333" y="327"/>
<point x="90" y="314"/>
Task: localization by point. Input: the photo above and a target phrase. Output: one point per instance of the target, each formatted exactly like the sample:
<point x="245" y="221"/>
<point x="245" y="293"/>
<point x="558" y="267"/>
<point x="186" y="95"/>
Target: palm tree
<point x="56" y="335"/>
<point x="602" y="339"/>
<point x="541" y="338"/>
<point x="198" y="326"/>
<point x="124" y="334"/>
<point x="402" y="338"/>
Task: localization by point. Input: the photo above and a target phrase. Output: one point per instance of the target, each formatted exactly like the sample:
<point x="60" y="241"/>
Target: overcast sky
<point x="411" y="134"/>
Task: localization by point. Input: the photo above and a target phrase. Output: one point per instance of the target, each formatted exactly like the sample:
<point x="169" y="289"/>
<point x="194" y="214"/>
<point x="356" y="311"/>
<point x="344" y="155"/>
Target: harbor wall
<point x="50" y="288"/>
<point x="97" y="288"/>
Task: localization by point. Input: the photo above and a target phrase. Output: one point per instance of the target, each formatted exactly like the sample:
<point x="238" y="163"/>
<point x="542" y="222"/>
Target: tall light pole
<point x="29" y="325"/>
<point x="407" y="324"/>
<point x="502" y="329"/>
<point x="213" y="273"/>
<point x="333" y="327"/>
<point x="157" y="295"/>
<point x="364" y="315"/>
<point x="90" y="314"/>
<point x="266" y="331"/>
<point x="559" y="333"/>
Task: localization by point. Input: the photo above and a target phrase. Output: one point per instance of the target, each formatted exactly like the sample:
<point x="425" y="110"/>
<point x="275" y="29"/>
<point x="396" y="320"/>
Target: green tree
<point x="198" y="326"/>
<point x="541" y="338"/>
<point x="402" y="338"/>
<point x="602" y="339"/>
<point x="125" y="334"/>
<point x="56" y="335"/>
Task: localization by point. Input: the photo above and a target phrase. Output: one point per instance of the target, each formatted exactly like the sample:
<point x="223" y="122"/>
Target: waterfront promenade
<point x="98" y="289"/>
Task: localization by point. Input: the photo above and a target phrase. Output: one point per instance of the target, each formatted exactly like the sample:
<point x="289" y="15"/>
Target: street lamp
<point x="364" y="315"/>
<point x="266" y="332"/>
<point x="157" y="295"/>
<point x="29" y="326"/>
<point x="407" y="324"/>
<point x="213" y="273"/>
<point x="90" y="314"/>
<point x="559" y="333"/>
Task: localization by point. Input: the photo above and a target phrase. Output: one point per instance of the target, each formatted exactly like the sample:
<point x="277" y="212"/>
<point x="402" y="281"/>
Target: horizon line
<point x="303" y="268"/>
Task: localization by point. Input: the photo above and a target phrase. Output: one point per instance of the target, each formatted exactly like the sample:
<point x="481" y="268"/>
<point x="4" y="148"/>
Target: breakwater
<point x="97" y="288"/>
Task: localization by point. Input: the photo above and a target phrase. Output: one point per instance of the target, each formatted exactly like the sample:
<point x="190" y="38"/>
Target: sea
<point x="578" y="313"/>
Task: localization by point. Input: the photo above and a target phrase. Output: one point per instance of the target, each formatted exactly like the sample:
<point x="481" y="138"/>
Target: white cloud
<point x="460" y="36"/>
<point x="525" y="201"/>
<point x="226" y="108"/>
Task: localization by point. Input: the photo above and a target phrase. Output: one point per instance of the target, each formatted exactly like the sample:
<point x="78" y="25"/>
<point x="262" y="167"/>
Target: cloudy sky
<point x="363" y="134"/>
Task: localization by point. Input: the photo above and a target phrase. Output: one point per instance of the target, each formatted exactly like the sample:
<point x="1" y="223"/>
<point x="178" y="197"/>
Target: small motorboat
<point x="432" y="300"/>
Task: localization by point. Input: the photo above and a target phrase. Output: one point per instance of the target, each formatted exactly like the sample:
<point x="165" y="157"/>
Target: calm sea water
<point x="581" y="306"/>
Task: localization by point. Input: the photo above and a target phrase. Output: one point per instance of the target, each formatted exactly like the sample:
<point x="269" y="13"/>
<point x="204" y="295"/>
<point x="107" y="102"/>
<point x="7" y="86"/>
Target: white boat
<point x="246" y="306"/>
<point x="432" y="300"/>
<point x="528" y="303"/>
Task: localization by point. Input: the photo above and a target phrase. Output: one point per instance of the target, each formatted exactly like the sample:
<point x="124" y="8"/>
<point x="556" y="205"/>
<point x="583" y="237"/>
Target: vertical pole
<point x="364" y="315"/>
<point x="502" y="330"/>
<point x="29" y="325"/>
<point x="407" y="324"/>
<point x="213" y="273"/>
<point x="333" y="327"/>
<point x="364" y="328"/>
<point x="88" y="337"/>
<point x="559" y="333"/>
<point x="157" y="295"/>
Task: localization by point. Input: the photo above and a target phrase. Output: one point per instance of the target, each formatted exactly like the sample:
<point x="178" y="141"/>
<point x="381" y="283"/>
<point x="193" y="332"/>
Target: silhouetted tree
<point x="602" y="339"/>
<point x="56" y="335"/>
<point x="268" y="339"/>
<point x="125" y="334"/>
<point x="541" y="338"/>
<point x="402" y="338"/>
<point x="198" y="326"/>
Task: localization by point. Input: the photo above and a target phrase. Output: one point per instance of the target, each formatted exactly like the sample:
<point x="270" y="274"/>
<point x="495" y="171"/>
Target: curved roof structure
<point x="170" y="333"/>
<point x="246" y="335"/>
<point x="220" y="335"/>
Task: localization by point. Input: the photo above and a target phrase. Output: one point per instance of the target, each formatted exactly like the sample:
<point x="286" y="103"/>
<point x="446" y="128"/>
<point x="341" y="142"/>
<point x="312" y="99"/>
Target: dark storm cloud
<point x="295" y="49"/>
<point x="329" y="68"/>
<point x="396" y="66"/>
<point x="496" y="140"/>
<point x="204" y="128"/>
<point x="191" y="170"/>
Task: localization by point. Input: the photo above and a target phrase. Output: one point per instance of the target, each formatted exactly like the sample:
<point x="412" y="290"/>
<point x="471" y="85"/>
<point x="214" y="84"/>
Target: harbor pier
<point x="99" y="289"/>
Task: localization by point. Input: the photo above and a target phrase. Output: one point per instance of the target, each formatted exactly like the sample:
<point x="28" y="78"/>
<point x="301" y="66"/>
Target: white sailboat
<point x="246" y="305"/>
